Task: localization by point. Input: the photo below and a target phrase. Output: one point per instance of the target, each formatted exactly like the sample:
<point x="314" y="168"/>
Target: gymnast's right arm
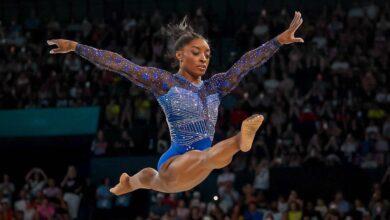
<point x="154" y="79"/>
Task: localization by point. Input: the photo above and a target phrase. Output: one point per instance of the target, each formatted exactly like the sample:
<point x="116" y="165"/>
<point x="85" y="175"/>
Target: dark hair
<point x="182" y="34"/>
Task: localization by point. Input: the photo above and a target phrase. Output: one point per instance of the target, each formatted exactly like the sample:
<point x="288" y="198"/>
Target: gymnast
<point x="189" y="103"/>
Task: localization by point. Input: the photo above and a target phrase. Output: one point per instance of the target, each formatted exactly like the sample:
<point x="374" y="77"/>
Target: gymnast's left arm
<point x="227" y="81"/>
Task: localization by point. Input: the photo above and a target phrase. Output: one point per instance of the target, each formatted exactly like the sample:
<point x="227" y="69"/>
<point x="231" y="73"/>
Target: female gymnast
<point x="190" y="105"/>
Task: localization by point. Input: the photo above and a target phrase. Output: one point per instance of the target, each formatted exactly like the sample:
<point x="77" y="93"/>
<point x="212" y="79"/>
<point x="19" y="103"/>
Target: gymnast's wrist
<point x="277" y="41"/>
<point x="77" y="47"/>
<point x="73" y="45"/>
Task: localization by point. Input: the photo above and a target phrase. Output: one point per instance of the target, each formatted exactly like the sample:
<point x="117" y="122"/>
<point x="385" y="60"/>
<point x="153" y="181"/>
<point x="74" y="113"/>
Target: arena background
<point x="325" y="138"/>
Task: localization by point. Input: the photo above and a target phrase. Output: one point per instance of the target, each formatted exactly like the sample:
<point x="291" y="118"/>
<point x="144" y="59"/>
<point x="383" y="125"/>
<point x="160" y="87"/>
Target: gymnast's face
<point x="194" y="57"/>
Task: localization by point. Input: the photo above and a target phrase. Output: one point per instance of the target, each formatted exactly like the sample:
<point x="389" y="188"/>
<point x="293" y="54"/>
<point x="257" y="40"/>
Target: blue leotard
<point x="191" y="109"/>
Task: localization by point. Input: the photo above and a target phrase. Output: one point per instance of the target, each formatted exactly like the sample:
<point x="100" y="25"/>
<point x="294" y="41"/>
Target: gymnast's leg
<point x="178" y="174"/>
<point x="221" y="154"/>
<point x="186" y="171"/>
<point x="147" y="178"/>
<point x="193" y="167"/>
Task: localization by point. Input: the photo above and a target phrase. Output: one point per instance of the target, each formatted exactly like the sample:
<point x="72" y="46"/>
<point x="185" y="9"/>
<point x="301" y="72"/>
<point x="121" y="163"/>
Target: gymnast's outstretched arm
<point x="154" y="79"/>
<point x="227" y="81"/>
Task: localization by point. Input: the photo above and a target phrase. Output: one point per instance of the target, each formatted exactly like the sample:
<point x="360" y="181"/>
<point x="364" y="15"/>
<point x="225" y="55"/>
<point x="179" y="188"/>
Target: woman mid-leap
<point x="190" y="105"/>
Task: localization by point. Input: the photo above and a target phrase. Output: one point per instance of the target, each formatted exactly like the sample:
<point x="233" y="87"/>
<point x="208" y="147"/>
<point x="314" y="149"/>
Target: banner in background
<point x="49" y="122"/>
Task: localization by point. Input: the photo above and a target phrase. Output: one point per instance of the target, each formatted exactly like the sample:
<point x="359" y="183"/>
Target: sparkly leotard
<point x="191" y="109"/>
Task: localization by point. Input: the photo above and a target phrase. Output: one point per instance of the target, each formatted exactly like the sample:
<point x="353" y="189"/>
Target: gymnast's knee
<point x="217" y="162"/>
<point x="148" y="174"/>
<point x="168" y="176"/>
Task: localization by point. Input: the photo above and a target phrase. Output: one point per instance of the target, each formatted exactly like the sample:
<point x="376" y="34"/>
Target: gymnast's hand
<point x="287" y="37"/>
<point x="63" y="46"/>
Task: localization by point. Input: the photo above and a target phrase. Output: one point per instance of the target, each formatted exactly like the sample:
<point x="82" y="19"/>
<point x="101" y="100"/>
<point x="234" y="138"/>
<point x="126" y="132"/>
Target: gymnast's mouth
<point x="202" y="67"/>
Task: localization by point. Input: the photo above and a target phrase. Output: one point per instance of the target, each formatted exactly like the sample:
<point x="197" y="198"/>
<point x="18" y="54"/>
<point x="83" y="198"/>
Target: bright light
<point x="215" y="198"/>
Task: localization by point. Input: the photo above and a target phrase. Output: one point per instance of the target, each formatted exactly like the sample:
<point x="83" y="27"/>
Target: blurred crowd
<point x="41" y="197"/>
<point x="253" y="202"/>
<point x="325" y="100"/>
<point x="325" y="103"/>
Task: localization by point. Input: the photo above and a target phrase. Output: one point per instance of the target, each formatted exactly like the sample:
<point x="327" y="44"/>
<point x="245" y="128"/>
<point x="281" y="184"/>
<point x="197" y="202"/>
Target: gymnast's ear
<point x="179" y="55"/>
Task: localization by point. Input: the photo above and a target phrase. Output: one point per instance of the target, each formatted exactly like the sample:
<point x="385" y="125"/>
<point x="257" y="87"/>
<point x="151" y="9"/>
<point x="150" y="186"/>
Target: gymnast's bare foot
<point x="123" y="186"/>
<point x="248" y="131"/>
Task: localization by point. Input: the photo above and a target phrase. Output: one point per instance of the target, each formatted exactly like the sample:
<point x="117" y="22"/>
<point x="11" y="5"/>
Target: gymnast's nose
<point x="202" y="58"/>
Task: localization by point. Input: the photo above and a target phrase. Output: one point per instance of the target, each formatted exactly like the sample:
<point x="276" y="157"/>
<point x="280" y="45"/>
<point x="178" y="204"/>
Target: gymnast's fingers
<point x="294" y="19"/>
<point x="298" y="40"/>
<point x="52" y="42"/>
<point x="56" y="50"/>
<point x="298" y="24"/>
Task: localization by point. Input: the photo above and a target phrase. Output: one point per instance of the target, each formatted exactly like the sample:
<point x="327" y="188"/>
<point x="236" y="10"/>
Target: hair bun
<point x="175" y="31"/>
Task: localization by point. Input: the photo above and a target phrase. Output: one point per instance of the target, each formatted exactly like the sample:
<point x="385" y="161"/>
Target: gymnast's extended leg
<point x="186" y="171"/>
<point x="147" y="178"/>
<point x="221" y="154"/>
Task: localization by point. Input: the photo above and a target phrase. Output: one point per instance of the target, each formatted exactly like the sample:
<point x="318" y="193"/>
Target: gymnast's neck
<point x="191" y="78"/>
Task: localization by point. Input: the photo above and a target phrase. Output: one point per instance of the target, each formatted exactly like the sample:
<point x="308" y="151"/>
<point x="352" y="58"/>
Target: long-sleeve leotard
<point x="160" y="81"/>
<point x="156" y="80"/>
<point x="225" y="82"/>
<point x="191" y="110"/>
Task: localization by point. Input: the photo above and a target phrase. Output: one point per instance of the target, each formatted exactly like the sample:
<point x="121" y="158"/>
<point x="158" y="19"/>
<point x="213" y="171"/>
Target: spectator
<point x="252" y="213"/>
<point x="294" y="212"/>
<point x="310" y="212"/>
<point x="159" y="208"/>
<point x="45" y="210"/>
<point x="359" y="211"/>
<point x="181" y="210"/>
<point x="225" y="178"/>
<point x="349" y="147"/>
<point x="112" y="113"/>
<point x="7" y="188"/>
<point x="35" y="180"/>
<point x="379" y="207"/>
<point x="228" y="197"/>
<point x="104" y="199"/>
<point x="195" y="213"/>
<point x="72" y="186"/>
<point x="124" y="144"/>
<point x="51" y="190"/>
<point x="21" y="203"/>
<point x="248" y="193"/>
<point x="273" y="212"/>
<point x="30" y="212"/>
<point x="61" y="207"/>
<point x="262" y="177"/>
<point x="293" y="197"/>
<point x="6" y="211"/>
<point x="321" y="207"/>
<point x="99" y="144"/>
<point x="341" y="205"/>
<point x="282" y="204"/>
